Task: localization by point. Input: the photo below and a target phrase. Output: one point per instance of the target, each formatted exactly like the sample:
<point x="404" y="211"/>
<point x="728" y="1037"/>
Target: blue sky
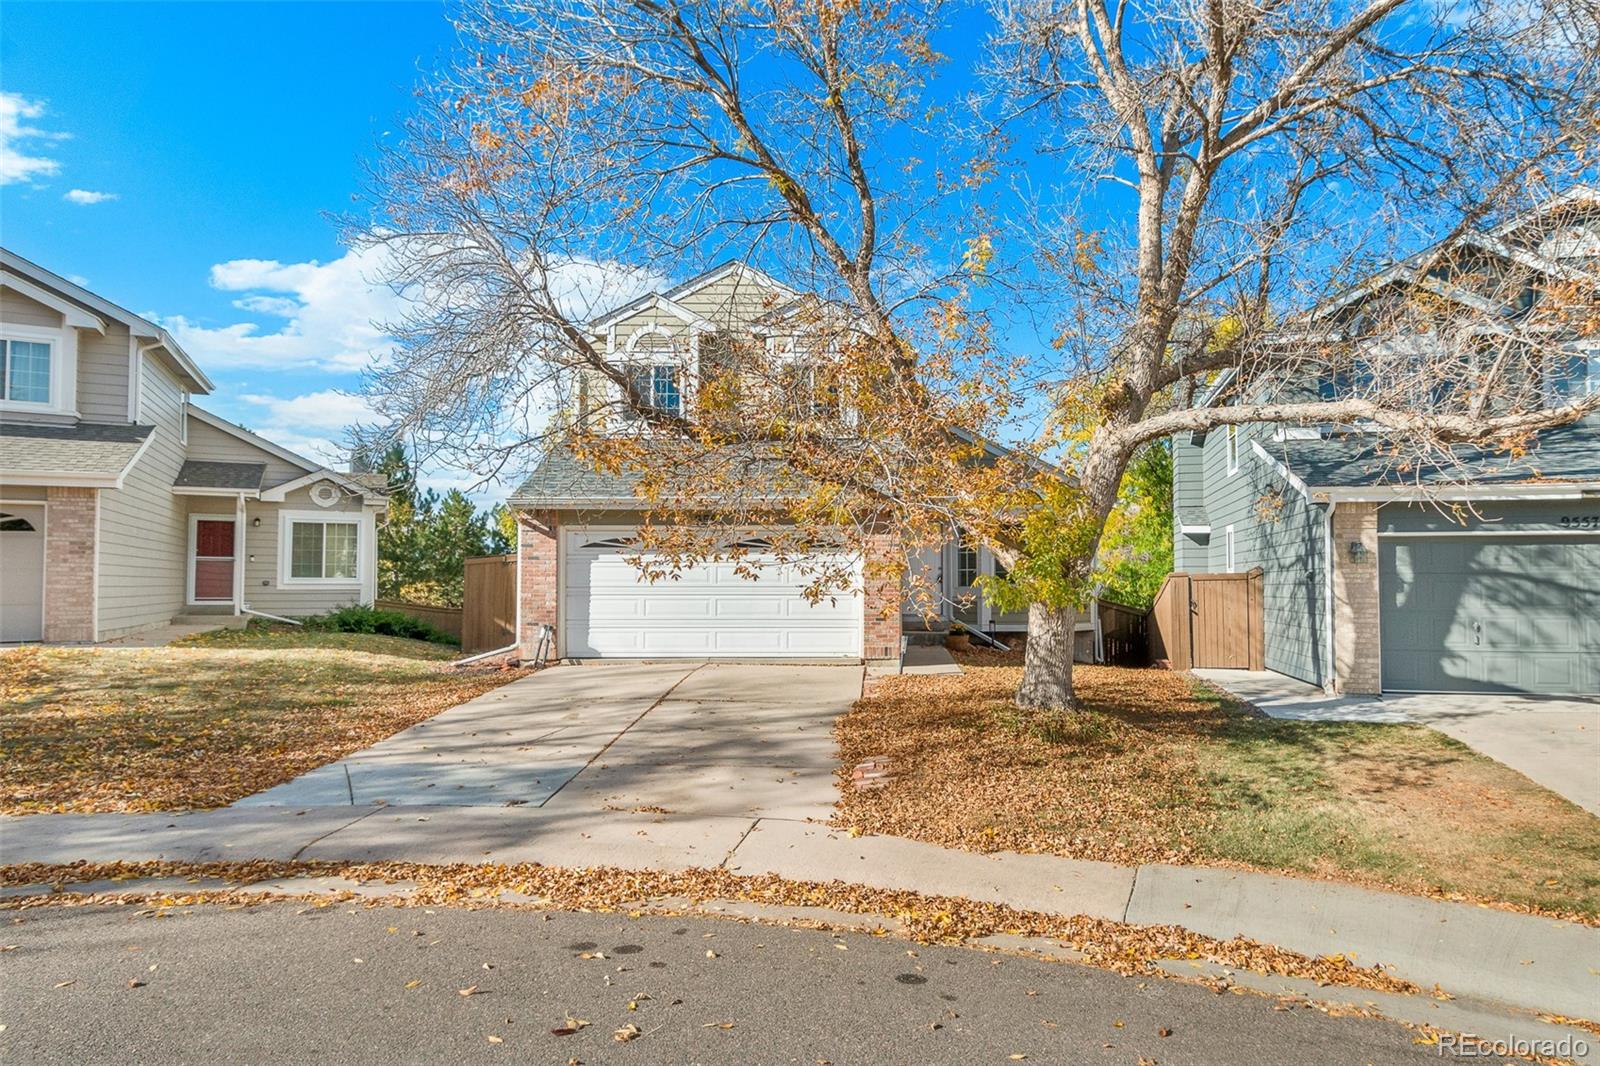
<point x="219" y="137"/>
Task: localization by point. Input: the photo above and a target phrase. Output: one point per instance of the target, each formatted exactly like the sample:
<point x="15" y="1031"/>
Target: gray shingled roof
<point x="207" y="474"/>
<point x="562" y="480"/>
<point x="1567" y="453"/>
<point x="88" y="448"/>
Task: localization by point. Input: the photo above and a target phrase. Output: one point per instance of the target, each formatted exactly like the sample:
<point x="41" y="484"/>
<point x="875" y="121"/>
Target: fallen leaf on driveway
<point x="134" y="982"/>
<point x="626" y="1033"/>
<point x="496" y="1040"/>
<point x="711" y="954"/>
<point x="413" y="983"/>
<point x="64" y="984"/>
<point x="470" y="990"/>
<point x="717" y="1025"/>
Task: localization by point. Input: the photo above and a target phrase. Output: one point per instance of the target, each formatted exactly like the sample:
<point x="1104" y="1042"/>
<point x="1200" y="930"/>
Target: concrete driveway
<point x="1552" y="740"/>
<point x="692" y="739"/>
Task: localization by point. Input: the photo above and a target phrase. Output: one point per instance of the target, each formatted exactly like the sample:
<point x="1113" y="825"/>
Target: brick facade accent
<point x="537" y="578"/>
<point x="1357" y="654"/>
<point x="884" y="569"/>
<point x="69" y="578"/>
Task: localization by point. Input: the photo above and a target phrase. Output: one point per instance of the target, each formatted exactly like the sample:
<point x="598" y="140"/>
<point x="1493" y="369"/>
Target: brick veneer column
<point x="537" y="576"/>
<point x="1357" y="655"/>
<point x="885" y="566"/>
<point x="69" y="592"/>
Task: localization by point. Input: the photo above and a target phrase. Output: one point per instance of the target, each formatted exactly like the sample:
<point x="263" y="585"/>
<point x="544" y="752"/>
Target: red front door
<point x="213" y="560"/>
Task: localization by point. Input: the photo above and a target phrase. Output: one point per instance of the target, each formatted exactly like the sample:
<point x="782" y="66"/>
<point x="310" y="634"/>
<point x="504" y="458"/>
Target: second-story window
<point x="1573" y="375"/>
<point x="25" y="371"/>
<point x="653" y="371"/>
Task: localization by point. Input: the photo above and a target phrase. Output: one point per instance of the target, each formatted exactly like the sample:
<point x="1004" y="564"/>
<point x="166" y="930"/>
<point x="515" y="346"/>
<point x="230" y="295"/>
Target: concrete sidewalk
<point x="1478" y="952"/>
<point x="1551" y="740"/>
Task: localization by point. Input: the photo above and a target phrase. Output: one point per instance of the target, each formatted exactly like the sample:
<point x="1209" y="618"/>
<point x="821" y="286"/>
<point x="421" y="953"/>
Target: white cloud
<point x="312" y="424"/>
<point x="15" y="164"/>
<point x="87" y="196"/>
<point x="333" y="314"/>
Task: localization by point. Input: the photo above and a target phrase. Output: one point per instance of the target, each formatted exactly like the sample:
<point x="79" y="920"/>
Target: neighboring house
<point x="1372" y="582"/>
<point x="124" y="506"/>
<point x="575" y="523"/>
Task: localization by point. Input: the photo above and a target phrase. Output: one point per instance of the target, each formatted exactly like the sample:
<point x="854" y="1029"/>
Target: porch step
<point x="921" y="633"/>
<point x="225" y="619"/>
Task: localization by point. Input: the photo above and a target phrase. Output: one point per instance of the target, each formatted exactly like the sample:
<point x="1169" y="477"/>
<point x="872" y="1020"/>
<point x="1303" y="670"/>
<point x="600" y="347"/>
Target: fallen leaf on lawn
<point x="470" y="990"/>
<point x="626" y="1033"/>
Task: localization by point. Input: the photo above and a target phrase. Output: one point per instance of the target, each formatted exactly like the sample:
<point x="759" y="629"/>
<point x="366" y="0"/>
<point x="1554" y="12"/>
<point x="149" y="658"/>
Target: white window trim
<point x="286" y="519"/>
<point x="183" y="416"/>
<point x="1232" y="445"/>
<point x="189" y="561"/>
<point x="63" y="369"/>
<point x="1228" y="548"/>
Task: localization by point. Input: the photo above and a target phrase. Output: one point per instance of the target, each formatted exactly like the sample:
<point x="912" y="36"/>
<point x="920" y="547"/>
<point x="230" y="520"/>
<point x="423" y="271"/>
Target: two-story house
<point x="124" y="506"/>
<point x="1478" y="576"/>
<point x="576" y="568"/>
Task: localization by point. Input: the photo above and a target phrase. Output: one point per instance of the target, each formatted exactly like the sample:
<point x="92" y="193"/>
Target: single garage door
<point x="1490" y="614"/>
<point x="21" y="572"/>
<point x="706" y="611"/>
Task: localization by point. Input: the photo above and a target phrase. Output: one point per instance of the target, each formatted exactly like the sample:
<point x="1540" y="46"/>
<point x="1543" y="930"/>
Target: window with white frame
<point x="26" y="370"/>
<point x="1574" y="375"/>
<point x="320" y="550"/>
<point x="654" y="373"/>
<point x="1233" y="449"/>
<point x="966" y="565"/>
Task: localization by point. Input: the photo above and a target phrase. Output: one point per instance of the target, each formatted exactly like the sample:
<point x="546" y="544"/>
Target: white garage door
<point x="706" y="611"/>
<point x="21" y="572"/>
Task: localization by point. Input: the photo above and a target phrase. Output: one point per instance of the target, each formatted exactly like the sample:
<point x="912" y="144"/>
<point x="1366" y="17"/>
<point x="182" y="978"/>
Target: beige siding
<point x="208" y="442"/>
<point x="103" y="374"/>
<point x="143" y="526"/>
<point x="15" y="307"/>
<point x="263" y="589"/>
<point x="732" y="302"/>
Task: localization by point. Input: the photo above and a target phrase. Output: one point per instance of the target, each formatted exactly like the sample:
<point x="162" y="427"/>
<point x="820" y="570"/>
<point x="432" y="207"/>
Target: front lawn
<point x="210" y="720"/>
<point x="1157" y="768"/>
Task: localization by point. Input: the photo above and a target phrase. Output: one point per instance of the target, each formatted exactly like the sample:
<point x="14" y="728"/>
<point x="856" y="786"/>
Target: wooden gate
<point x="489" y="603"/>
<point x="1209" y="620"/>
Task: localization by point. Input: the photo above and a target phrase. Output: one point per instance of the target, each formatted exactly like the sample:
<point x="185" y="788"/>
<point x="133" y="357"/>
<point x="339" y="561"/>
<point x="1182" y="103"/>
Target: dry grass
<point x="1155" y="768"/>
<point x="122" y="729"/>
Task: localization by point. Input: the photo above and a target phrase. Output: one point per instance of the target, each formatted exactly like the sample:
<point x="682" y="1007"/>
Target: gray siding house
<point x="1483" y="577"/>
<point x="124" y="506"/>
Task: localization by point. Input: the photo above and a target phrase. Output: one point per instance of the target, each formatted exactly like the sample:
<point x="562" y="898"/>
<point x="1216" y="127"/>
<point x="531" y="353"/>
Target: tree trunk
<point x="1047" y="664"/>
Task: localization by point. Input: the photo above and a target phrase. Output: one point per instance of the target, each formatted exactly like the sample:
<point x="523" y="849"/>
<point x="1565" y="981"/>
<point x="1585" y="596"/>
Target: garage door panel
<point x="1490" y="614"/>
<point x="21" y="572"/>
<point x="754" y="607"/>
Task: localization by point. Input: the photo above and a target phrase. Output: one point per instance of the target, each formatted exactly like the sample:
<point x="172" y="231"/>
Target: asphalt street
<point x="348" y="984"/>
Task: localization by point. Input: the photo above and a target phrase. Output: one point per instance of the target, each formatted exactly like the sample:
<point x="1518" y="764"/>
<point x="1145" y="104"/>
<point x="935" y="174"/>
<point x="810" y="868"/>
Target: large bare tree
<point x="1173" y="192"/>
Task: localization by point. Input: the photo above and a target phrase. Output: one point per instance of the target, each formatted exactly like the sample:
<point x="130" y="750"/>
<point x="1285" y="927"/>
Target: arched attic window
<point x="655" y="369"/>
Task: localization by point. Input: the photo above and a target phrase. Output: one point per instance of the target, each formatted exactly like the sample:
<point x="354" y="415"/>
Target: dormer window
<point x="655" y="373"/>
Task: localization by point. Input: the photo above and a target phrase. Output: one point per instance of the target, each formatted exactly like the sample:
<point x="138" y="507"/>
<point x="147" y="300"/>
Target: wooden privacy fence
<point x="487" y="617"/>
<point x="489" y="603"/>
<point x="1123" y="639"/>
<point x="1209" y="620"/>
<point x="447" y="619"/>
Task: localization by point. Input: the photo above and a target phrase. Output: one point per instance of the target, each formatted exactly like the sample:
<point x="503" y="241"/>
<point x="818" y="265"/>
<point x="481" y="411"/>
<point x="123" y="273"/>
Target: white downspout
<point x="240" y="556"/>
<point x="1332" y="681"/>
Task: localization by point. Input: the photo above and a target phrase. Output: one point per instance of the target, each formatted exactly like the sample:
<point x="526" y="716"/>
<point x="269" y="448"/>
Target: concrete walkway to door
<point x="1552" y="740"/>
<point x="715" y="739"/>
